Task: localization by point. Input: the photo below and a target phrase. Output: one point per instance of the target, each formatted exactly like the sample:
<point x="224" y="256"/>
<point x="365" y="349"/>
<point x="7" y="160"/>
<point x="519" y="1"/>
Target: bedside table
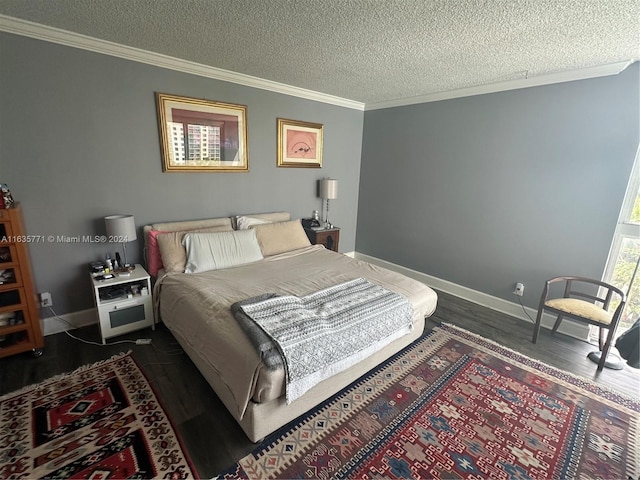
<point x="124" y="303"/>
<point x="329" y="237"/>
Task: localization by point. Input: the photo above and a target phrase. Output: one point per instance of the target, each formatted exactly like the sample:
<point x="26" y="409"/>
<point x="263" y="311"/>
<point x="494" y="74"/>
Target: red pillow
<point x="155" y="259"/>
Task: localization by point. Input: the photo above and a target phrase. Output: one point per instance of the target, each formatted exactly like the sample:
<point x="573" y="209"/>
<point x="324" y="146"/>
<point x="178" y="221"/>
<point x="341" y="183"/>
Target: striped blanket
<point x="326" y="332"/>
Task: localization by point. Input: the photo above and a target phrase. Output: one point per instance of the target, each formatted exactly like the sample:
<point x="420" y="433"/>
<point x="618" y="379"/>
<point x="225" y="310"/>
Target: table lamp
<point x="121" y="228"/>
<point x="328" y="191"/>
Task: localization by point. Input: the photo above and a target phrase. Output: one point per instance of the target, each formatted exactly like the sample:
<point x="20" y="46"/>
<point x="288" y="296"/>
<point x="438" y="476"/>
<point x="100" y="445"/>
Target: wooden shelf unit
<point x="20" y="329"/>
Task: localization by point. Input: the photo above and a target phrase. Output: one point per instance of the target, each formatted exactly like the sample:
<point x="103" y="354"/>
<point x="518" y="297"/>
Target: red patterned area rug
<point x="455" y="405"/>
<point x="102" y="421"/>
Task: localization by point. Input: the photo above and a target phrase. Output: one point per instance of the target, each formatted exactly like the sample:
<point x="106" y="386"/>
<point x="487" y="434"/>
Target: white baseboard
<point x="83" y="318"/>
<point x="567" y="327"/>
<point x="58" y="324"/>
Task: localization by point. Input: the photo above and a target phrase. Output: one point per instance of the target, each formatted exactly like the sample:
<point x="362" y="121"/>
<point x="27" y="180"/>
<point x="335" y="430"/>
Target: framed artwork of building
<point x="198" y="135"/>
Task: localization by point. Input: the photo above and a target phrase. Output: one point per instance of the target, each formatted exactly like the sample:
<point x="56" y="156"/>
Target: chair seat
<point x="581" y="308"/>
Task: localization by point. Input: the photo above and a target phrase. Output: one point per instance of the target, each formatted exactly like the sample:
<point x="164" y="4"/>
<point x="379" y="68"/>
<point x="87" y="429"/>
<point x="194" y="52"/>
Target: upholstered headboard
<point x="183" y="225"/>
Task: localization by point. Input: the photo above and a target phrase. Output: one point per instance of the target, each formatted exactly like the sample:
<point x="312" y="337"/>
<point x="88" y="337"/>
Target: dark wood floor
<point x="211" y="436"/>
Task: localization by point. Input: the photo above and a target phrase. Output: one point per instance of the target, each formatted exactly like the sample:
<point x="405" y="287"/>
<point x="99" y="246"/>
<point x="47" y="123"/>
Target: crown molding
<point x="535" y="81"/>
<point x="63" y="37"/>
<point x="38" y="31"/>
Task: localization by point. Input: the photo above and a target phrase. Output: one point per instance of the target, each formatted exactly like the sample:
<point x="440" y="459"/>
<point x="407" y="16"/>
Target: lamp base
<point x="612" y="362"/>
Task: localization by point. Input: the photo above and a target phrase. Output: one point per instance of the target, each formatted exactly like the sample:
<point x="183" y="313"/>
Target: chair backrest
<point x="591" y="290"/>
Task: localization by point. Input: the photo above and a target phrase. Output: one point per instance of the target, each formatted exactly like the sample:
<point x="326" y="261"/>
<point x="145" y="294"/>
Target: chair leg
<point x="536" y="328"/>
<point x="600" y="338"/>
<point x="557" y="324"/>
<point x="605" y="350"/>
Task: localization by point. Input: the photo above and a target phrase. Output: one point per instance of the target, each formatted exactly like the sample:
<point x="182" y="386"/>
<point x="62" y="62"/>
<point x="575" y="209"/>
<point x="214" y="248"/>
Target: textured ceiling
<point x="364" y="50"/>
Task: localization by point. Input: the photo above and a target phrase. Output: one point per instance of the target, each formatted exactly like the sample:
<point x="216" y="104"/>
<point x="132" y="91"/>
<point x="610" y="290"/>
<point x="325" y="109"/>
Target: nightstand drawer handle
<point x="125" y="305"/>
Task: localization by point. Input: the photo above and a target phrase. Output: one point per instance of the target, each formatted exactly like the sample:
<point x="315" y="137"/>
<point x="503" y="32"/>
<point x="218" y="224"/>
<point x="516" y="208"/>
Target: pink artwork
<point x="301" y="144"/>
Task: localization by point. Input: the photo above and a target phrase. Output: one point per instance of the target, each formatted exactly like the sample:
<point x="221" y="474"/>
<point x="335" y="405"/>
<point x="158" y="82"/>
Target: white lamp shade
<point x="122" y="227"/>
<point x="328" y="189"/>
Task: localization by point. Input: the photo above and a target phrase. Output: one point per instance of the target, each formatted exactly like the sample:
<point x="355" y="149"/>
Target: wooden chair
<point x="587" y="301"/>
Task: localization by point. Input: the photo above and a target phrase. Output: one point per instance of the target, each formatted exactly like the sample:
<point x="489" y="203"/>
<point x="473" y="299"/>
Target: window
<point x="625" y="250"/>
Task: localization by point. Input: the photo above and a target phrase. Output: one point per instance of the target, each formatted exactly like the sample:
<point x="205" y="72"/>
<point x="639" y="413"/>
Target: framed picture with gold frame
<point x="198" y="135"/>
<point x="299" y="144"/>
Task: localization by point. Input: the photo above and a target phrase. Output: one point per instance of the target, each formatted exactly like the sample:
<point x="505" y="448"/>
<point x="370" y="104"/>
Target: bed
<point x="196" y="307"/>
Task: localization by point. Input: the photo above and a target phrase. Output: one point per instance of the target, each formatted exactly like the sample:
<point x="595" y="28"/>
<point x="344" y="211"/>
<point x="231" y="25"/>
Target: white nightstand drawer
<point x="125" y="316"/>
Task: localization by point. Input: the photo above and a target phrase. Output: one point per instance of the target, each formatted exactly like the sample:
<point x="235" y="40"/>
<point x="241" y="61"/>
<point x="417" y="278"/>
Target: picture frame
<point x="199" y="135"/>
<point x="299" y="144"/>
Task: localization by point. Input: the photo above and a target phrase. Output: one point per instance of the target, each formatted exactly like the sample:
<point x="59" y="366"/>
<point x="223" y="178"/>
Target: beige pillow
<point x="280" y="237"/>
<point x="174" y="255"/>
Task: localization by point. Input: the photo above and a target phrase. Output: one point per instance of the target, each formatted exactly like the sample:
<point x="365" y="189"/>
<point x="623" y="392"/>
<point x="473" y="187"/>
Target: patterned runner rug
<point x="455" y="405"/>
<point x="101" y="421"/>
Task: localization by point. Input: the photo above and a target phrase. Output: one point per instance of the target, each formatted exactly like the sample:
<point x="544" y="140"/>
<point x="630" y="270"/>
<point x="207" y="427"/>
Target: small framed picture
<point x="299" y="144"/>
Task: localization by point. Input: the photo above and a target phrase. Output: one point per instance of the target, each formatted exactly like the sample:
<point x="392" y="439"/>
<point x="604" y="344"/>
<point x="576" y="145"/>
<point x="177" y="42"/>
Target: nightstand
<point x="329" y="237"/>
<point x="124" y="303"/>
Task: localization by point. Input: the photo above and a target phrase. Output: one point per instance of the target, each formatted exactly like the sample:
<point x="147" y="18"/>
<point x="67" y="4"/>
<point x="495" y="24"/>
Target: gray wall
<point x="79" y="140"/>
<point x="490" y="190"/>
<point x="481" y="191"/>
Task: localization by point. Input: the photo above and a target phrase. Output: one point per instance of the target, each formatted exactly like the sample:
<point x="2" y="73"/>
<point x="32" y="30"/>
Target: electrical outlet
<point x="519" y="290"/>
<point x="46" y="300"/>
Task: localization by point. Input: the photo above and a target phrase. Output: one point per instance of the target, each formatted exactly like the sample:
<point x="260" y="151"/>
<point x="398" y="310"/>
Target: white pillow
<point x="269" y="217"/>
<point x="212" y="251"/>
<point x="244" y="223"/>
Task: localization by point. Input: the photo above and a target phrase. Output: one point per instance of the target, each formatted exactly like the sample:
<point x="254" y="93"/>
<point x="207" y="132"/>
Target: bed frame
<point x="261" y="419"/>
